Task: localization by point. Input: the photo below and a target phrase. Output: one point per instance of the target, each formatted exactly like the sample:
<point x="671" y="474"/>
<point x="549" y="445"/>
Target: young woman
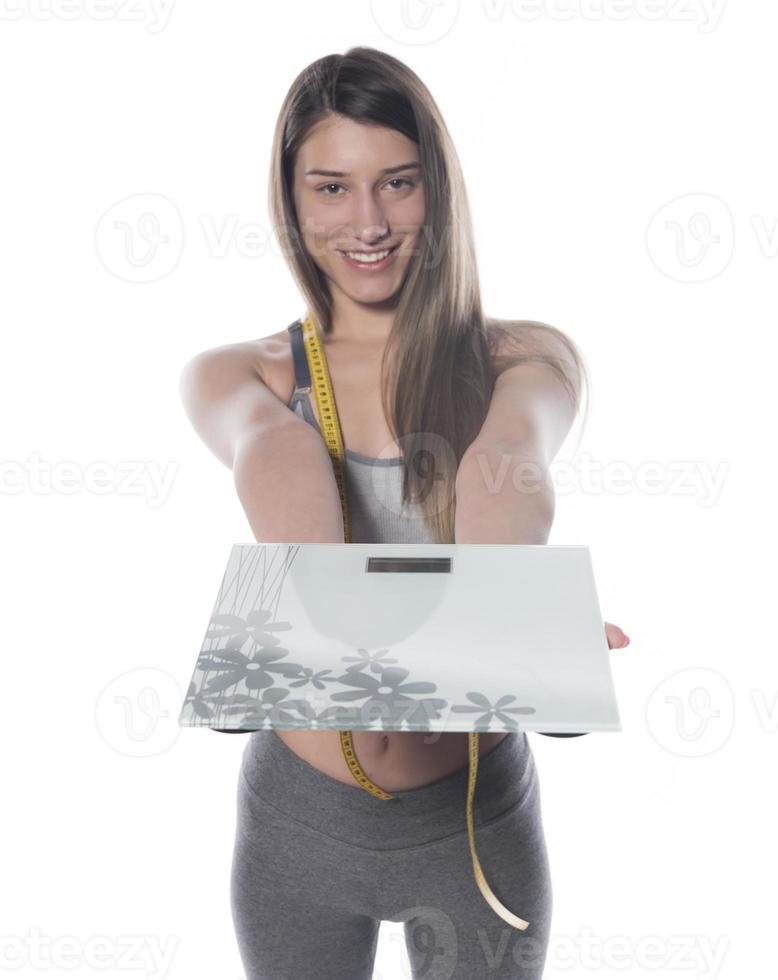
<point x="368" y="199"/>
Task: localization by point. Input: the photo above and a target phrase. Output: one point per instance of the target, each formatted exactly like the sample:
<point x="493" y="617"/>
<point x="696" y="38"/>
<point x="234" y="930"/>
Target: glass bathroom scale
<point x="405" y="637"/>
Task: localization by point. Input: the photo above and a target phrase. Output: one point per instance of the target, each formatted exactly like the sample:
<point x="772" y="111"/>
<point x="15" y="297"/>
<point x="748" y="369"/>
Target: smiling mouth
<point x="370" y="257"/>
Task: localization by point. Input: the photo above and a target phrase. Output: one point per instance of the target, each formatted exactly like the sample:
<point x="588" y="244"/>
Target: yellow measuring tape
<point x="325" y="401"/>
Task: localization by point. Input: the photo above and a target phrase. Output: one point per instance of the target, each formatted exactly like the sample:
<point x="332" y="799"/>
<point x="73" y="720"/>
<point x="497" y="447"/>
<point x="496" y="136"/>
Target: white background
<point x="620" y="160"/>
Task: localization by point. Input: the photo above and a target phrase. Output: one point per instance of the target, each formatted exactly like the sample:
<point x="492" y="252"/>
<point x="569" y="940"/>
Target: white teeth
<point x="365" y="257"/>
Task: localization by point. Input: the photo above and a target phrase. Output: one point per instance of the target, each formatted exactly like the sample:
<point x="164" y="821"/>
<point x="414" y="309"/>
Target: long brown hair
<point x="443" y="355"/>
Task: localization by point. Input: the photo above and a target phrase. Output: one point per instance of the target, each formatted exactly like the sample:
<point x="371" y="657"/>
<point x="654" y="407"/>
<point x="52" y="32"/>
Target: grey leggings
<point x="318" y="864"/>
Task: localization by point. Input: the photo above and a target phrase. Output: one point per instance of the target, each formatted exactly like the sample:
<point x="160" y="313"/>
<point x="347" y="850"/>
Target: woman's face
<point x="358" y="189"/>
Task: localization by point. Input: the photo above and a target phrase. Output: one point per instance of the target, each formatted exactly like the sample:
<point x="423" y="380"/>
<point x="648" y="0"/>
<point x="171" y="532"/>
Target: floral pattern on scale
<point x="244" y="680"/>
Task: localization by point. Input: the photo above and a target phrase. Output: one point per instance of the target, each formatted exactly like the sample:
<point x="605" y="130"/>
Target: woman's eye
<point x="401" y="180"/>
<point x="325" y="188"/>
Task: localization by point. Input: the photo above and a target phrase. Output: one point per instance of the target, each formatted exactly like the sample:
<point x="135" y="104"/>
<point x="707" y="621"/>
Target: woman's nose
<point x="369" y="221"/>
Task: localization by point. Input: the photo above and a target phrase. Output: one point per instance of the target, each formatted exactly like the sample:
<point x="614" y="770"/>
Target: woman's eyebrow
<point x="414" y="164"/>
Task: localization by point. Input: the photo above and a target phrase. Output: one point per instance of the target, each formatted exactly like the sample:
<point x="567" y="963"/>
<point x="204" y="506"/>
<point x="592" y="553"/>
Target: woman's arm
<point x="281" y="469"/>
<point x="285" y="481"/>
<point x="490" y="508"/>
<point x="504" y="494"/>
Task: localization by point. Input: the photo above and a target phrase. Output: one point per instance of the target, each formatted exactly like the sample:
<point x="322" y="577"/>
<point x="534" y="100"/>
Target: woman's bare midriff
<point x="392" y="760"/>
<point x="395" y="761"/>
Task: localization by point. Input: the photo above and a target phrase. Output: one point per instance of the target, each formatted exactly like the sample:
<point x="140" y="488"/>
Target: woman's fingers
<point x="617" y="638"/>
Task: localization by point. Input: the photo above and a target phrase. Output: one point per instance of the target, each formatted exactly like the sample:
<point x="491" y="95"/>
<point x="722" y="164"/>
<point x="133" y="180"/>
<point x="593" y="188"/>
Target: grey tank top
<point x="374" y="485"/>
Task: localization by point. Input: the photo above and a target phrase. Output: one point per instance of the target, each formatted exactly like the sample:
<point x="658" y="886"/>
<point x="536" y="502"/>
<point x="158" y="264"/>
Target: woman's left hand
<point x="617" y="638"/>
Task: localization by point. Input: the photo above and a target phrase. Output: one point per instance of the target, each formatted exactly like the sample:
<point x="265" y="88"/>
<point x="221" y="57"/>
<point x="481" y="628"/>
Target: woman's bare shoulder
<point x="274" y="354"/>
<point x="531" y="339"/>
<point x="229" y="390"/>
<point x="265" y="358"/>
<point x="528" y="338"/>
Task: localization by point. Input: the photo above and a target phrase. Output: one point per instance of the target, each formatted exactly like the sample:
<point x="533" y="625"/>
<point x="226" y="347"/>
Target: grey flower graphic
<point x="374" y="661"/>
<point x="419" y="713"/>
<point x="388" y="687"/>
<point x="307" y="676"/>
<point x="255" y="711"/>
<point x="238" y="631"/>
<point x="199" y="705"/>
<point x="254" y="669"/>
<point x="386" y="699"/>
<point x="488" y="711"/>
